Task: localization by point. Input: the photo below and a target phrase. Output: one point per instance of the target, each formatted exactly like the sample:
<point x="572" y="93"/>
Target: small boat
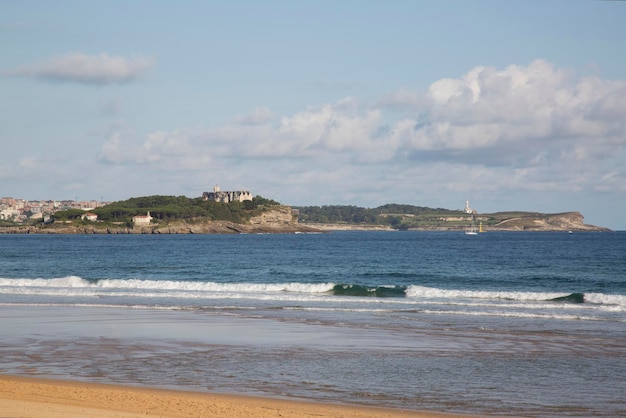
<point x="472" y="229"/>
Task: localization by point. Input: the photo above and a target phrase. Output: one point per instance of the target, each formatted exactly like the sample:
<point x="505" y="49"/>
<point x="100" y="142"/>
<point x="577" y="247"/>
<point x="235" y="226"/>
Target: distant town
<point x="21" y="210"/>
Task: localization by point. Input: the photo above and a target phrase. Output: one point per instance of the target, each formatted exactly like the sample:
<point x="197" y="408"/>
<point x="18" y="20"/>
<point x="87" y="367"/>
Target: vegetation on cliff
<point x="404" y="217"/>
<point x="180" y="214"/>
<point x="392" y="215"/>
<point x="174" y="208"/>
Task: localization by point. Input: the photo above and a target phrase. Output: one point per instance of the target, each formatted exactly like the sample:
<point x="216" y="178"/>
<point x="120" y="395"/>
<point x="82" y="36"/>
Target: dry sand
<point x="33" y="397"/>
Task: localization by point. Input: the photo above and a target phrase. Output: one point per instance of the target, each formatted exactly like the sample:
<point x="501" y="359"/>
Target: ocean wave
<point x="78" y="282"/>
<point x="69" y="281"/>
<point x="377" y="291"/>
<point x="436" y="293"/>
<point x="74" y="285"/>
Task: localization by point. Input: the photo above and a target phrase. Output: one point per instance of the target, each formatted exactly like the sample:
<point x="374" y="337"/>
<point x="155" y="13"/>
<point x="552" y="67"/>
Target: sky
<point x="512" y="105"/>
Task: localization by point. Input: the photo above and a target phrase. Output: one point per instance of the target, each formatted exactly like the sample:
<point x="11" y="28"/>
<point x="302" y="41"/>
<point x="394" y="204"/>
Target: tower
<point x="467" y="207"/>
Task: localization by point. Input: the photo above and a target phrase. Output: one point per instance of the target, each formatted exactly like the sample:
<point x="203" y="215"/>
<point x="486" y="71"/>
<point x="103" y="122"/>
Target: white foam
<point x="216" y="287"/>
<point x="430" y="292"/>
<point x="74" y="286"/>
<point x="435" y="293"/>
<point x="602" y="299"/>
<point x="77" y="282"/>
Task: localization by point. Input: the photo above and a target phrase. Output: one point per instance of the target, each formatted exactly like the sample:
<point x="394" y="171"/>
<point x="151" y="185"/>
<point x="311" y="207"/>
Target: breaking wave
<point x="378" y="291"/>
<point x="74" y="285"/>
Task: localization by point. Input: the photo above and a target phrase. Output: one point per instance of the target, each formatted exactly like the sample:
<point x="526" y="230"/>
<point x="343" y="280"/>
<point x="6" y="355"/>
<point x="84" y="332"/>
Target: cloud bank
<point x="533" y="127"/>
<point x="86" y="69"/>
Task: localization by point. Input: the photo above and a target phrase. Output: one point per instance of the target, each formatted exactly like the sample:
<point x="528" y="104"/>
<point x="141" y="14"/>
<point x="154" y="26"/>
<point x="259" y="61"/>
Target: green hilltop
<point x="174" y="208"/>
<point x="405" y="217"/>
<point x="179" y="213"/>
<point x="392" y="215"/>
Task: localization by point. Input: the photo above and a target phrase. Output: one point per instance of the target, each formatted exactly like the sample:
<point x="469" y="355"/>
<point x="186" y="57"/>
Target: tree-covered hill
<point x="180" y="213"/>
<point x="404" y="217"/>
<point x="393" y="215"/>
<point x="171" y="208"/>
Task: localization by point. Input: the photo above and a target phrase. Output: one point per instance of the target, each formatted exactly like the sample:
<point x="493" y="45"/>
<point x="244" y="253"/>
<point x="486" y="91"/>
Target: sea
<point x="525" y="324"/>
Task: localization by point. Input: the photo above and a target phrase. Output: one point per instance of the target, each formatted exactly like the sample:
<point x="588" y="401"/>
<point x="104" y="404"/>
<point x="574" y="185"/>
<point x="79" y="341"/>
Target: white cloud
<point x="402" y="98"/>
<point x="30" y="162"/>
<point x="316" y="131"/>
<point x="524" y="128"/>
<point x="86" y="69"/>
<point x="158" y="148"/>
<point x="530" y="110"/>
<point x="41" y="167"/>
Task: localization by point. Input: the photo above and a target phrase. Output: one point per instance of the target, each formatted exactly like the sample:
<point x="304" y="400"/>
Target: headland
<point x="238" y="213"/>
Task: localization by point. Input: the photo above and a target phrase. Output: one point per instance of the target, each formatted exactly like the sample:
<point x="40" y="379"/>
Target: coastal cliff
<point x="280" y="219"/>
<point x="568" y="221"/>
<point x="500" y="221"/>
<point x="277" y="220"/>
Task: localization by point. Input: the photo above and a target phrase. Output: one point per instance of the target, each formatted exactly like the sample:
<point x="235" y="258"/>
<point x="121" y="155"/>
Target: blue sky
<point x="515" y="105"/>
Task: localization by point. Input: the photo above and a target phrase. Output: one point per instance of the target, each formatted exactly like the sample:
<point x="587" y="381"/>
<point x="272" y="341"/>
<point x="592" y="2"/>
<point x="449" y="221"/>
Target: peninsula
<point x="499" y="221"/>
<point x="239" y="212"/>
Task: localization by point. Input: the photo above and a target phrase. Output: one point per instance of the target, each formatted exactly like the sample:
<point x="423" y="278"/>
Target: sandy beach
<point x="35" y="397"/>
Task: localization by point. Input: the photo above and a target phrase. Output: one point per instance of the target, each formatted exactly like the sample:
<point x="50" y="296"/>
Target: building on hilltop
<point x="226" y="196"/>
<point x="89" y="216"/>
<point x="469" y="210"/>
<point x="142" y="219"/>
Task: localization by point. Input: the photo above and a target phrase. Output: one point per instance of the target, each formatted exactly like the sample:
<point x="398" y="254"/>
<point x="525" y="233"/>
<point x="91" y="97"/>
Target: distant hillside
<point x="175" y="208"/>
<point x="527" y="221"/>
<point x="405" y="217"/>
<point x="171" y="215"/>
<point x="180" y="214"/>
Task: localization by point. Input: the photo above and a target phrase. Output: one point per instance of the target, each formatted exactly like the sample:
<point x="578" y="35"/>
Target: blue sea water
<point x="522" y="324"/>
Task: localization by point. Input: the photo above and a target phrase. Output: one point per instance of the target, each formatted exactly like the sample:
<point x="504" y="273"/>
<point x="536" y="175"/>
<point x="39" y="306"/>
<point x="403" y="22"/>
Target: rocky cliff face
<point x="281" y="220"/>
<point x="569" y="221"/>
<point x="280" y="216"/>
<point x="276" y="220"/>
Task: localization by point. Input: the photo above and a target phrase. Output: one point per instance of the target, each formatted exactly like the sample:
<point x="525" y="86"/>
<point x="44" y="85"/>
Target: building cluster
<point x="469" y="210"/>
<point x="20" y="210"/>
<point x="218" y="195"/>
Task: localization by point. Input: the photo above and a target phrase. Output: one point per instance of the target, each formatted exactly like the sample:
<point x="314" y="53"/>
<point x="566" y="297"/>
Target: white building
<point x="142" y="219"/>
<point x="467" y="209"/>
<point x="89" y="216"/>
<point x="10" y="214"/>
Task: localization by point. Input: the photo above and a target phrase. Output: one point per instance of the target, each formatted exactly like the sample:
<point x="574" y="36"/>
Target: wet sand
<point x="35" y="397"/>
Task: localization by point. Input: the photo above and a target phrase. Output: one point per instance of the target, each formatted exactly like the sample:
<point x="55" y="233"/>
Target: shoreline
<point x="52" y="398"/>
<point x="357" y="227"/>
<point x="311" y="228"/>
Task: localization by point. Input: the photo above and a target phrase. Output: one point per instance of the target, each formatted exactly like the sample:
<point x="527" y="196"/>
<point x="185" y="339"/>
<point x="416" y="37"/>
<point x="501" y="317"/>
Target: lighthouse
<point x="467" y="207"/>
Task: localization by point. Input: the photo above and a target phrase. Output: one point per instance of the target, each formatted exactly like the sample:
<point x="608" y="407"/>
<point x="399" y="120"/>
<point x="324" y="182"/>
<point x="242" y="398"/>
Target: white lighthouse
<point x="467" y="207"/>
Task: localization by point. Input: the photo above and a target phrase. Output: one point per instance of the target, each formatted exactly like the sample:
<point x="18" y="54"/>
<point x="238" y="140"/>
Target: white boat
<point x="472" y="229"/>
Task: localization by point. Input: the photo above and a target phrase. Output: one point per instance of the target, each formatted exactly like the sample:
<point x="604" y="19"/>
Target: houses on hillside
<point x="21" y="210"/>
